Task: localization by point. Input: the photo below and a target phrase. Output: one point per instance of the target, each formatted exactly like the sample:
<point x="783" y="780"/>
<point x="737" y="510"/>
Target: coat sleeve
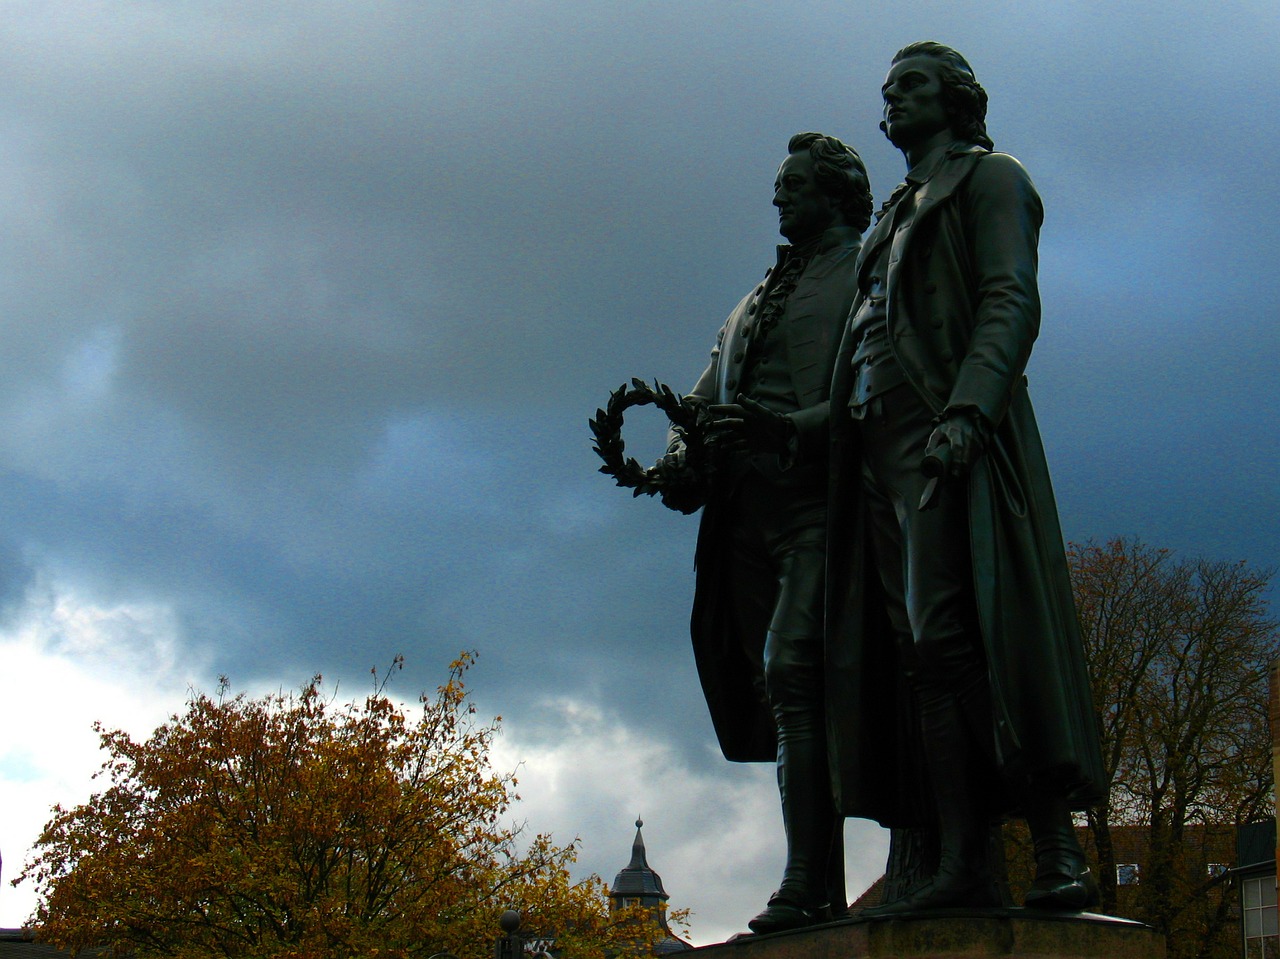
<point x="704" y="389"/>
<point x="1002" y="213"/>
<point x="809" y="442"/>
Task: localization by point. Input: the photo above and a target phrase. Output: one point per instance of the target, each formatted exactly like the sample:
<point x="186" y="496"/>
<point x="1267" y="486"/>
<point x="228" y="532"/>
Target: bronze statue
<point x="757" y="620"/>
<point x="953" y="642"/>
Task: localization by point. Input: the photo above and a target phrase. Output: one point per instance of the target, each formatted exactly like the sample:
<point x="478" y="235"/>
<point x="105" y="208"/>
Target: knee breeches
<point x="923" y="557"/>
<point x="777" y="575"/>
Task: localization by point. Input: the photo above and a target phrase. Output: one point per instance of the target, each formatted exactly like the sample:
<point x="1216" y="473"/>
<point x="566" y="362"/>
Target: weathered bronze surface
<point x="882" y="603"/>
<point x="952" y="637"/>
<point x="758" y="606"/>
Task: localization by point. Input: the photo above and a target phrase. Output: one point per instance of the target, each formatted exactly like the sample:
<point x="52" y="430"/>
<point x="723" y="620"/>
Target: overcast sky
<point x="304" y="307"/>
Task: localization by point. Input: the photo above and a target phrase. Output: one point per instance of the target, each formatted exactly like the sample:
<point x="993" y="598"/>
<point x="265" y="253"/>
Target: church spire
<point x="639" y="885"/>
<point x="638" y="860"/>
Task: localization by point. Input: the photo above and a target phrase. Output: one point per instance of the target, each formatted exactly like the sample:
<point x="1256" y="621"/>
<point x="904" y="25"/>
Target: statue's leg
<point x="923" y="560"/>
<point x="804" y="782"/>
<point x="812" y="827"/>
<point x="793" y="668"/>
<point x="948" y="674"/>
<point x="965" y="876"/>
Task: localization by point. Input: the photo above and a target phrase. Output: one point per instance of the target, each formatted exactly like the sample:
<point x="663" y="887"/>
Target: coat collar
<point x="940" y="174"/>
<point x="923" y="171"/>
<point x="836" y="236"/>
<point x="934" y="179"/>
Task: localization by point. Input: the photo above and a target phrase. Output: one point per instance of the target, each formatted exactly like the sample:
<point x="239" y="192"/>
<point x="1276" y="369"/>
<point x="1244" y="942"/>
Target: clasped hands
<point x="746" y="426"/>
<point x="734" y="428"/>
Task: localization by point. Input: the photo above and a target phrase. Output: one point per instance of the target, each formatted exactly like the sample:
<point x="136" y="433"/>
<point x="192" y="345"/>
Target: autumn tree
<point x="292" y="826"/>
<point x="1178" y="653"/>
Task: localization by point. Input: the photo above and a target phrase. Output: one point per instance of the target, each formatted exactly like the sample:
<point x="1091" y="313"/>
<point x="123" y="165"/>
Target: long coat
<point x="816" y="314"/>
<point x="963" y="310"/>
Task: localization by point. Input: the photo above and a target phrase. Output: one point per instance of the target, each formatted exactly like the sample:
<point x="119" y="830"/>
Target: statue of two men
<point x="903" y="645"/>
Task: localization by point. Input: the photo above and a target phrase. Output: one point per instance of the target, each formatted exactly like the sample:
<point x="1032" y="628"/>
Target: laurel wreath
<point x="687" y="419"/>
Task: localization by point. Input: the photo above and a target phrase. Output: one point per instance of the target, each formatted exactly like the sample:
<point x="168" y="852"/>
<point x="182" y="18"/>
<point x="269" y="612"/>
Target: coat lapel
<point x="733" y="347"/>
<point x="922" y="202"/>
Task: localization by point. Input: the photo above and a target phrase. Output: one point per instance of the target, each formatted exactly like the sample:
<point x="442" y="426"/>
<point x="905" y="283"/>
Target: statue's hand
<point x="673" y="461"/>
<point x="964" y="434"/>
<point x="749" y="426"/>
<point x="682" y="492"/>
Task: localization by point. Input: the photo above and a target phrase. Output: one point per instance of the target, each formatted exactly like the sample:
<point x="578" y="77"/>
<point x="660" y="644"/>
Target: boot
<point x="781" y="915"/>
<point x="964" y="878"/>
<point x="812" y="829"/>
<point x="1063" y="881"/>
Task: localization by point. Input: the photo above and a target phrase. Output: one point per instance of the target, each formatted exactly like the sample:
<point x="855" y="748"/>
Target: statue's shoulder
<point x="999" y="170"/>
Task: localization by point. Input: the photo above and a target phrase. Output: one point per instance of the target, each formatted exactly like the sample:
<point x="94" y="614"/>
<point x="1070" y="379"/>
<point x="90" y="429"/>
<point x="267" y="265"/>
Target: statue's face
<point x="804" y="211"/>
<point x="914" y="112"/>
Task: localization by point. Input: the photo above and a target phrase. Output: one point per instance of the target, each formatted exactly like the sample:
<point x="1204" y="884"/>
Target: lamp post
<point x="510" y="945"/>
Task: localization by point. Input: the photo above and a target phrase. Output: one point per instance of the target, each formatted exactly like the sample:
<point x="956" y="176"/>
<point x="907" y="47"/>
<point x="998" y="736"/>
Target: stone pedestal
<point x="1011" y="933"/>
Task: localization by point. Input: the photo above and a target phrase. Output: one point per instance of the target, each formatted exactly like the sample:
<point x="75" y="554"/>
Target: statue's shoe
<point x="1064" y="890"/>
<point x="782" y="915"/>
<point x="946" y="890"/>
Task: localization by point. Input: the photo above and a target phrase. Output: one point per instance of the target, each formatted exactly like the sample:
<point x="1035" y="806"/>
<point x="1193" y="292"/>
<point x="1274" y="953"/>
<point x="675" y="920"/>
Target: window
<point x="1261" y="935"/>
<point x="1126" y="874"/>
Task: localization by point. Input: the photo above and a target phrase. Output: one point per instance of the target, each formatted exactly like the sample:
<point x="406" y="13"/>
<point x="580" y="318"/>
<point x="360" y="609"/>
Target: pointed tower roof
<point x="637" y="879"/>
<point x="639" y="885"/>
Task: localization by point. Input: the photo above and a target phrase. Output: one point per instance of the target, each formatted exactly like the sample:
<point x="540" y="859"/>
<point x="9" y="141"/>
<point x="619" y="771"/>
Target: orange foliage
<point x="291" y="827"/>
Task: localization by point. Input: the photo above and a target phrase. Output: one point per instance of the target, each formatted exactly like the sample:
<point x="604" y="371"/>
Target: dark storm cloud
<point x="263" y="255"/>
<point x="285" y="244"/>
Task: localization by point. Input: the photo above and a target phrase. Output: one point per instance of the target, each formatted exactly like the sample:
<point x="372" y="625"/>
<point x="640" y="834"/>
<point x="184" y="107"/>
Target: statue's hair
<point x="839" y="173"/>
<point x="962" y="96"/>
